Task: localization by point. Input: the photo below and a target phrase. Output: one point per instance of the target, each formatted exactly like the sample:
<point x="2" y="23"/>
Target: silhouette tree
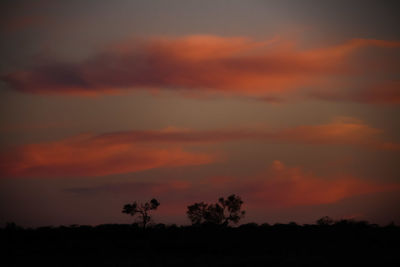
<point x="142" y="210"/>
<point x="224" y="211"/>
<point x="196" y="212"/>
<point x="232" y="209"/>
<point x="214" y="214"/>
<point x="326" y="220"/>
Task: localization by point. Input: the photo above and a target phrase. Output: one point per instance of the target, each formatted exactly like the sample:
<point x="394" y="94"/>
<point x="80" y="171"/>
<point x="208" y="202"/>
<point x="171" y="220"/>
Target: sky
<point x="292" y="105"/>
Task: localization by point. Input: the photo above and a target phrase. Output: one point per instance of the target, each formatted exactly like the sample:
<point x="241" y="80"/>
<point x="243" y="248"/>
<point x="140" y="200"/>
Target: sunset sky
<point x="292" y="105"/>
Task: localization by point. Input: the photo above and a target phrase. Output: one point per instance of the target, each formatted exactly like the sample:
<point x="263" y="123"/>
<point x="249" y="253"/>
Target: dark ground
<point x="345" y="243"/>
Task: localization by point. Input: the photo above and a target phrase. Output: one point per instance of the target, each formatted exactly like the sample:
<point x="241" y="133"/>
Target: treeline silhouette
<point x="209" y="241"/>
<point x="221" y="213"/>
<point x="343" y="242"/>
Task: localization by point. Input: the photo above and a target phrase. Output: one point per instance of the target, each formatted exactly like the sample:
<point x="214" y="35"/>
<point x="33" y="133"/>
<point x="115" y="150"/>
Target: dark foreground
<point x="345" y="243"/>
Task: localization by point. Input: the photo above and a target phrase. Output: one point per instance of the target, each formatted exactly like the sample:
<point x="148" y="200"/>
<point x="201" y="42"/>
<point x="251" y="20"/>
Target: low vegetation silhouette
<point x="213" y="239"/>
<point x="222" y="213"/>
<point x="326" y="220"/>
<point x="142" y="210"/>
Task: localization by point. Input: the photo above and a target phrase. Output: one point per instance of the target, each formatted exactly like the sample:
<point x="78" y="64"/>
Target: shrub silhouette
<point x="349" y="242"/>
<point x="223" y="212"/>
<point x="142" y="210"/>
<point x="326" y="220"/>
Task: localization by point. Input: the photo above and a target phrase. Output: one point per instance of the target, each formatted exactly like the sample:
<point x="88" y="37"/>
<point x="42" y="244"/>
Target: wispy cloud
<point x="282" y="186"/>
<point x="277" y="186"/>
<point x="83" y="155"/>
<point x="339" y="131"/>
<point x="124" y="152"/>
<point x="387" y="92"/>
<point x="205" y="64"/>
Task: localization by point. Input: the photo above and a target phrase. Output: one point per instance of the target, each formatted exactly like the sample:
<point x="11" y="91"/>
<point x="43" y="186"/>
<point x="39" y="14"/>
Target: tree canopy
<point x="222" y="213"/>
<point x="142" y="210"/>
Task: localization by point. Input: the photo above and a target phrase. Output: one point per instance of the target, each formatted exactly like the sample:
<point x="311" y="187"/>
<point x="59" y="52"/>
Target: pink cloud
<point x="131" y="151"/>
<point x="205" y="64"/>
<point x="84" y="156"/>
<point x="340" y="131"/>
<point x="280" y="186"/>
<point x="277" y="187"/>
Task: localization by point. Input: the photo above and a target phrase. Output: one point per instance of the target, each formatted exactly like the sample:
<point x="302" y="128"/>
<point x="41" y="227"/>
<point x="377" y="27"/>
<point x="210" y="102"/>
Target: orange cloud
<point x="387" y="92"/>
<point x="341" y="131"/>
<point x="123" y="152"/>
<point x="281" y="186"/>
<point x="85" y="156"/>
<point x="201" y="64"/>
<point x="276" y="187"/>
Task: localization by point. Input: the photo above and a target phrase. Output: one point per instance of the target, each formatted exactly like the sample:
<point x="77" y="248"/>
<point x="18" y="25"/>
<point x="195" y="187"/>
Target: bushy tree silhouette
<point x="232" y="209"/>
<point x="223" y="212"/>
<point x="326" y="220"/>
<point x="196" y="212"/>
<point x="142" y="210"/>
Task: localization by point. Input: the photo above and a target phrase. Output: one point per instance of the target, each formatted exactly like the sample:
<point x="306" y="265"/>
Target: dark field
<point x="345" y="243"/>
